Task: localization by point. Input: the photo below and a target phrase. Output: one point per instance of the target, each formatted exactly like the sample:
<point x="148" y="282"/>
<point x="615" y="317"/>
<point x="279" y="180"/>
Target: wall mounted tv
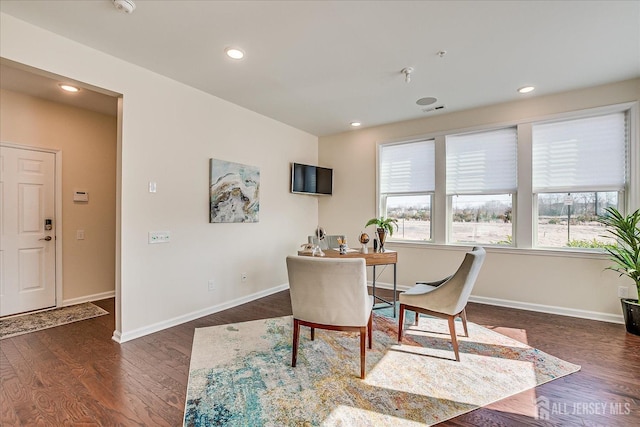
<point x="307" y="179"/>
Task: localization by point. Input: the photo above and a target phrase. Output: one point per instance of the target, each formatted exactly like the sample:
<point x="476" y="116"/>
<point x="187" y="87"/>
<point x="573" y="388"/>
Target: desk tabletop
<point x="372" y="258"/>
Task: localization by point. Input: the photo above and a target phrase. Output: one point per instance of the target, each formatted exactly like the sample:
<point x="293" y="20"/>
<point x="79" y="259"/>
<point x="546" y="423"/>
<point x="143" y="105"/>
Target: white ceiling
<point x="319" y="65"/>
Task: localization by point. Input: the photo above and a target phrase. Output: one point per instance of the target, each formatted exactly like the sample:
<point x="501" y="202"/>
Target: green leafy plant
<point x="384" y="223"/>
<point x="625" y="254"/>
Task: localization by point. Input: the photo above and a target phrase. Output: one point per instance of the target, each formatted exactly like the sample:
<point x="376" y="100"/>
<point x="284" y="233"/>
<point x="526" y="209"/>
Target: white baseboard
<point x="562" y="311"/>
<point x="140" y="332"/>
<point x="88" y="298"/>
<point x="550" y="309"/>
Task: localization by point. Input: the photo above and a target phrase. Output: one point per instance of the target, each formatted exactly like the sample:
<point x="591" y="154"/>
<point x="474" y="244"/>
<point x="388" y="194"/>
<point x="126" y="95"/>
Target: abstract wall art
<point x="234" y="191"/>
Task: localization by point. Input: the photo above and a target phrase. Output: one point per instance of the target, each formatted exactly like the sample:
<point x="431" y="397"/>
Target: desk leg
<point x="374" y="285"/>
<point x="394" y="289"/>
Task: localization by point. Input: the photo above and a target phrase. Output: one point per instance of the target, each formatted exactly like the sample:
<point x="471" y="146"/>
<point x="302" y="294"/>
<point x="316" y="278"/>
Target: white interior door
<point x="27" y="248"/>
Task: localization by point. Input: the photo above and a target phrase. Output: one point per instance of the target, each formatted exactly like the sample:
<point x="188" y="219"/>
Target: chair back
<point x="330" y="291"/>
<point x="329" y="241"/>
<point x="451" y="296"/>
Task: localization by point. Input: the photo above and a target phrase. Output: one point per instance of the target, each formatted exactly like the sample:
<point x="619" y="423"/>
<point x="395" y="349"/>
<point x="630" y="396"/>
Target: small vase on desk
<point x="382" y="235"/>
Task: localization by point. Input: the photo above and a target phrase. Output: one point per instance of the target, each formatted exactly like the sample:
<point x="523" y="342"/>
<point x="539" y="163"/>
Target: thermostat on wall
<point x="80" y="196"/>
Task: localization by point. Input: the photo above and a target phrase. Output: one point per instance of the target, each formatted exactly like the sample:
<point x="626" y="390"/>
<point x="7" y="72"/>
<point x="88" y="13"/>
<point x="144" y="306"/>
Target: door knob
<point x="46" y="238"/>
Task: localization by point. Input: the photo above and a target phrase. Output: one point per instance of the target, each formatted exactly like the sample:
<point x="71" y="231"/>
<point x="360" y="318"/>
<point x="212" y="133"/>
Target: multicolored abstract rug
<point x="241" y="375"/>
<point x="18" y="325"/>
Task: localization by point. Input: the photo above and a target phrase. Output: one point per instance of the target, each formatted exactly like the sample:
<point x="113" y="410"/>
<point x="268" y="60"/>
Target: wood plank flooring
<point x="76" y="375"/>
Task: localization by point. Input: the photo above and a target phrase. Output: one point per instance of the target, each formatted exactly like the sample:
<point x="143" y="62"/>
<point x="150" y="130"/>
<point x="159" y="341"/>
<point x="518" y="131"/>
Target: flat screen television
<point x="307" y="179"/>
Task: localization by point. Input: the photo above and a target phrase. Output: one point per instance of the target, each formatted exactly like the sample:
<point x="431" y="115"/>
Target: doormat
<point x="25" y="323"/>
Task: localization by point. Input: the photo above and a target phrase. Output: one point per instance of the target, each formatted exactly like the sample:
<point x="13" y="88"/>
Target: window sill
<point x="548" y="252"/>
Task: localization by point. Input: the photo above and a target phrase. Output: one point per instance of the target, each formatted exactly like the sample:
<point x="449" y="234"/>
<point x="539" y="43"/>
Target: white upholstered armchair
<point x="445" y="298"/>
<point x="328" y="293"/>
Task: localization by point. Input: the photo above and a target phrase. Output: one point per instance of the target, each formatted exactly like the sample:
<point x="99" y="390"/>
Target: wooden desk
<point x="372" y="259"/>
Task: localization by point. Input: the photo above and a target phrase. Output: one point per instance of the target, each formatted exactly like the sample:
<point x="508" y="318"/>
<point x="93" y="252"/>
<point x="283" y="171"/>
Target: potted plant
<point x="625" y="255"/>
<point x="383" y="226"/>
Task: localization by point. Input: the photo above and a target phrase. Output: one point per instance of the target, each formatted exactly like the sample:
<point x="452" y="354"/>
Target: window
<point x="578" y="171"/>
<point x="407" y="183"/>
<point x="481" y="184"/>
<point x="533" y="184"/>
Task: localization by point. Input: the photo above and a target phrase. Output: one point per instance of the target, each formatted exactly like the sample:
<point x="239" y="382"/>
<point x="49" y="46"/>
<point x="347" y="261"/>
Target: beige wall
<point x="169" y="131"/>
<point x="87" y="141"/>
<point x="528" y="278"/>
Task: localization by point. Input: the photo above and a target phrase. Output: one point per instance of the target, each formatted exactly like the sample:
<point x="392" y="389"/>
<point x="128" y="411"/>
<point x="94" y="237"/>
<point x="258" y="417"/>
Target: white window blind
<point x="578" y="155"/>
<point x="482" y="163"/>
<point x="408" y="167"/>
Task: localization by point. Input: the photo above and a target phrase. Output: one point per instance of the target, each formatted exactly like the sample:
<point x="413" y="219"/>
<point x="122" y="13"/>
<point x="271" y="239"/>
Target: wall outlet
<point x="243" y="277"/>
<point x="623" y="291"/>
<point x="159" y="237"/>
<point x="79" y="234"/>
<point x="212" y="285"/>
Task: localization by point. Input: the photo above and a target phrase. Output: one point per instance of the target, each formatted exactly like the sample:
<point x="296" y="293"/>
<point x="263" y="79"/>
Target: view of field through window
<point x="563" y="220"/>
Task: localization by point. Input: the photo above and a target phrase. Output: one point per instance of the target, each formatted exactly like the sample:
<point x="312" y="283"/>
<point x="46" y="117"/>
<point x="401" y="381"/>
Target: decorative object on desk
<point x="342" y="246"/>
<point x="625" y="255"/>
<point x="240" y="375"/>
<point x="320" y="235"/>
<point x="311" y="249"/>
<point x="383" y="226"/>
<point x="364" y="239"/>
<point x="234" y="191"/>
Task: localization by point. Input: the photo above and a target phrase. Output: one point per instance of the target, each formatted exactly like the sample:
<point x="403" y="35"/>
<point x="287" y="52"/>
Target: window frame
<point x="512" y="191"/>
<point x="381" y="202"/>
<point x="525" y="229"/>
<point x="383" y="211"/>
<point x="450" y="221"/>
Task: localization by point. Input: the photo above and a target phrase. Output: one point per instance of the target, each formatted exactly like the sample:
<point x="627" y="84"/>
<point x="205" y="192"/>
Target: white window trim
<point x="523" y="209"/>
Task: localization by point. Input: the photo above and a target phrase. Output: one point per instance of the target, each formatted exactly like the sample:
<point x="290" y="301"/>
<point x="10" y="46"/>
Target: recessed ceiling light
<point x="526" y="89"/>
<point x="356" y="124"/>
<point x="234" y="53"/>
<point x="68" y="88"/>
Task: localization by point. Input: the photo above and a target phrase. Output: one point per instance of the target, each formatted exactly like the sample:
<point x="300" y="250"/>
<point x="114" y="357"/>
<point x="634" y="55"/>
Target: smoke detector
<point x="407" y="73"/>
<point x="126" y="6"/>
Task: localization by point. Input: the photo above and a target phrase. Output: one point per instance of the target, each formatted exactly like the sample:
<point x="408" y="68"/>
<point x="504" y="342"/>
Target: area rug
<point x="18" y="325"/>
<point x="241" y="375"/>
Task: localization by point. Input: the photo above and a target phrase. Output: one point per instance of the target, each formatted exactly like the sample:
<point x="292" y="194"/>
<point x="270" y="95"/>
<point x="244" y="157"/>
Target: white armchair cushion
<point x="329" y="291"/>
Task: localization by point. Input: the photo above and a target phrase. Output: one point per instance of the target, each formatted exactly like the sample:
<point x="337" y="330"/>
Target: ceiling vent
<point x="436" y="108"/>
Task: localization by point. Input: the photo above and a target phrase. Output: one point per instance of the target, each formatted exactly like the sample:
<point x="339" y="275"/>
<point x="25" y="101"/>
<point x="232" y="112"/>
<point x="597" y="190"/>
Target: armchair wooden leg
<point x="370" y="329"/>
<point x="313" y="334"/>
<point x="400" y="322"/>
<point x="463" y="316"/>
<point x="363" y="333"/>
<point x="454" y="340"/>
<point x="294" y="346"/>
<point x="415" y="322"/>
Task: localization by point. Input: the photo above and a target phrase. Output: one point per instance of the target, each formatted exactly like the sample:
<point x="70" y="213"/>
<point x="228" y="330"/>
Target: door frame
<point x="57" y="197"/>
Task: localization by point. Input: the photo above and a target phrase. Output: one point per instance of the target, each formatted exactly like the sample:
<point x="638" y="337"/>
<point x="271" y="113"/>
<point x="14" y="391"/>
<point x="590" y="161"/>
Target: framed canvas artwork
<point x="234" y="191"/>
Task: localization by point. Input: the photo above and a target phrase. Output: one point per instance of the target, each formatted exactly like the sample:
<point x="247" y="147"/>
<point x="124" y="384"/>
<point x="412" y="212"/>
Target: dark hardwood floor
<point x="76" y="375"/>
